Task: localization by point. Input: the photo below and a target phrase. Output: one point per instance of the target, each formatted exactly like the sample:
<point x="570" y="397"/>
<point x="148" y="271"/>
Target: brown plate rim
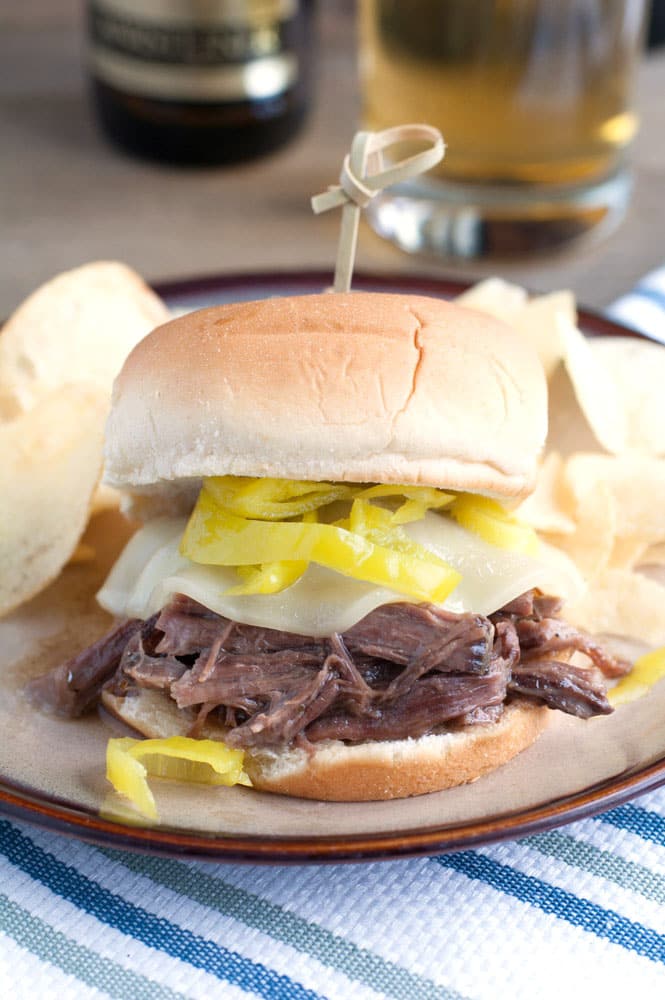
<point x="52" y="814"/>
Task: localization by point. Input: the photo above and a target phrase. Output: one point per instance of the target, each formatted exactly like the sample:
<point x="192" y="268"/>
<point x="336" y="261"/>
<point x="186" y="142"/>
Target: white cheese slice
<point x="150" y="570"/>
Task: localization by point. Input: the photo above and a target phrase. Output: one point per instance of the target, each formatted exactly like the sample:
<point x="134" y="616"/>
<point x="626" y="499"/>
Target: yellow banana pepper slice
<point x="377" y="525"/>
<point x="493" y="523"/>
<point x="129" y="777"/>
<point x="280" y="499"/>
<point x="419" y="499"/>
<point x="269" y="578"/>
<point x="648" y="669"/>
<point x="273" y="499"/>
<point x="129" y="762"/>
<point x="214" y="536"/>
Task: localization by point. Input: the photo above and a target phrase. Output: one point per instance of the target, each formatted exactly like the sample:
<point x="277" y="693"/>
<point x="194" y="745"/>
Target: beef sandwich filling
<point x="404" y="670"/>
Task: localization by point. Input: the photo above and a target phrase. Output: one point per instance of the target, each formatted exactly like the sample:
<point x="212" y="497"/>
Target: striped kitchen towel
<point x="579" y="911"/>
<point x="643" y="308"/>
<point x="575" y="912"/>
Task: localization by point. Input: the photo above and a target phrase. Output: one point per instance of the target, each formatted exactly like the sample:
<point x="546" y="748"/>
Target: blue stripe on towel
<point x="652" y="294"/>
<point x="560" y="903"/>
<point x="646" y="824"/>
<point x="155" y="932"/>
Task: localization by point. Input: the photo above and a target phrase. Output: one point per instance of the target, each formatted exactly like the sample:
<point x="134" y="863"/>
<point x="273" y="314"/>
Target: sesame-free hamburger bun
<point x="354" y="387"/>
<point x="360" y="388"/>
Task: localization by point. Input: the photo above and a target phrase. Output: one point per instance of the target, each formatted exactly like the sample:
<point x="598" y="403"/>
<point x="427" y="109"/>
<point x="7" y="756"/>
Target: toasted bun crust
<point x="364" y="772"/>
<point x="349" y="387"/>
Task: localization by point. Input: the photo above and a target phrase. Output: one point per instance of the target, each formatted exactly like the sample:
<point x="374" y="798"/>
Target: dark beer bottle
<point x="200" y="81"/>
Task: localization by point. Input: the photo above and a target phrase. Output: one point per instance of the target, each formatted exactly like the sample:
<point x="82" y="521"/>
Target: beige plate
<point x="52" y="771"/>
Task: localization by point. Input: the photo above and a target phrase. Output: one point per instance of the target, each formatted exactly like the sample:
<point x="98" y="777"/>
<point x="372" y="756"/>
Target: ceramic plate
<point x="52" y="771"/>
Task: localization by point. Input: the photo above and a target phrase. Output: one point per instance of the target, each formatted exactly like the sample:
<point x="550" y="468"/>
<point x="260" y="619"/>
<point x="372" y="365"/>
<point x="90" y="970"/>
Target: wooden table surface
<point x="67" y="197"/>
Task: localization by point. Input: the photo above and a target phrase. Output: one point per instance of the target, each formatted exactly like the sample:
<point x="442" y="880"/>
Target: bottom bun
<point x="363" y="772"/>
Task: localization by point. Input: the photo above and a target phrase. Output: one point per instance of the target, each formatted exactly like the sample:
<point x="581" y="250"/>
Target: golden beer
<point x="524" y="91"/>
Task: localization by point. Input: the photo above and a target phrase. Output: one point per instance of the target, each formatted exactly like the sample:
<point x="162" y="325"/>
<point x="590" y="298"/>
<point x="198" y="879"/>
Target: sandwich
<point x="327" y="574"/>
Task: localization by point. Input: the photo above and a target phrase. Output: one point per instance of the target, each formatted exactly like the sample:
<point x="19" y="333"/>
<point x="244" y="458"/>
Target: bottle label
<point x="202" y="51"/>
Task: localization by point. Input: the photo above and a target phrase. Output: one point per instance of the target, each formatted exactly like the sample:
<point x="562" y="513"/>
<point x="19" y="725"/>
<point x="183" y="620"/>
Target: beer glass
<point x="534" y="99"/>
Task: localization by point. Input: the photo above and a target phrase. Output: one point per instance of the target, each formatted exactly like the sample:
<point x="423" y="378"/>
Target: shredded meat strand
<point x="404" y="670"/>
<point x="74" y="686"/>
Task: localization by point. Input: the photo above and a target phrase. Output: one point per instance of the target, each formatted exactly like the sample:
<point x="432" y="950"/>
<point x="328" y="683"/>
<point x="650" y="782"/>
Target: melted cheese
<point x="151" y="569"/>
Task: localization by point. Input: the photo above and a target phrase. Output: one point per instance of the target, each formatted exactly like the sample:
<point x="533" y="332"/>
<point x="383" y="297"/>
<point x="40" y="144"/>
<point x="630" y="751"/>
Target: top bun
<point x="356" y="387"/>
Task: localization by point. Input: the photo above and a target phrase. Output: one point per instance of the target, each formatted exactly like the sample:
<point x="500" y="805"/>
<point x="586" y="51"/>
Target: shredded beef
<point x="155" y="672"/>
<point x="540" y="632"/>
<point x="531" y="604"/>
<point x="490" y="713"/>
<point x="74" y="686"/>
<point x="404" y="670"/>
<point x="428" y="703"/>
<point x="240" y="681"/>
<point x="552" y="635"/>
<point x="287" y="714"/>
<point x="188" y="628"/>
<point x="357" y="691"/>
<point x="572" y="689"/>
<point x="410" y="633"/>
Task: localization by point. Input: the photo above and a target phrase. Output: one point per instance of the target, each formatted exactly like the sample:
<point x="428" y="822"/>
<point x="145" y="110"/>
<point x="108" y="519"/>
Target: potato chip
<point x="105" y="498"/>
<point x="595" y="389"/>
<point x="618" y="381"/>
<point x="627" y="552"/>
<point x="495" y="297"/>
<point x="622" y="603"/>
<point x="550" y="506"/>
<point x="78" y="327"/>
<point x="592" y="543"/>
<point x="568" y="430"/>
<point x="638" y="369"/>
<point x="637" y="483"/>
<point x="542" y="321"/>
<point x="653" y="555"/>
<point x="51" y="461"/>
